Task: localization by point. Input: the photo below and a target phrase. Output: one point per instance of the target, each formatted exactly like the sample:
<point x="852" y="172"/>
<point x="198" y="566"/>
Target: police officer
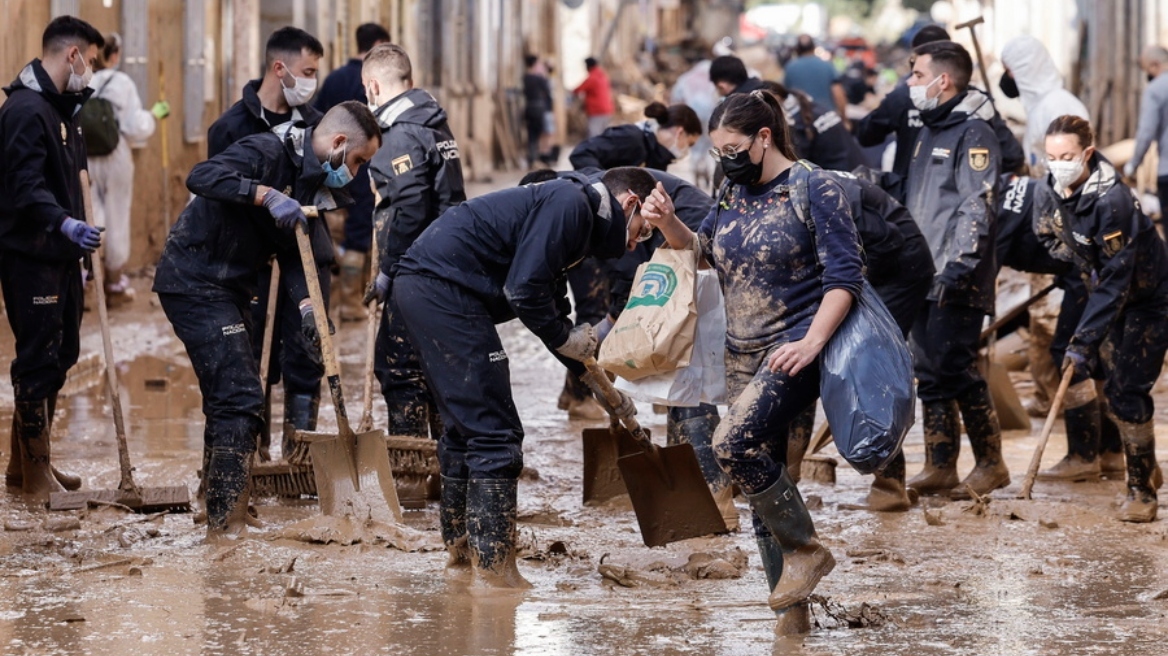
<point x="418" y="175"/>
<point x="278" y="102"/>
<point x="43" y="235"/>
<point x="818" y="133"/>
<point x="1099" y="226"/>
<point x="951" y="185"/>
<point x="247" y="202"/>
<point x="492" y="259"/>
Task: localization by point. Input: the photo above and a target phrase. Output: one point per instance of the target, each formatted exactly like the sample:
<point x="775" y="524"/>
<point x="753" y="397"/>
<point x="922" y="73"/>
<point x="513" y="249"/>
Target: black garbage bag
<point x="866" y="385"/>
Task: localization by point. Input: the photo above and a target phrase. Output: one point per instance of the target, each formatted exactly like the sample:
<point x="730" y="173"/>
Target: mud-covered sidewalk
<point x="1056" y="575"/>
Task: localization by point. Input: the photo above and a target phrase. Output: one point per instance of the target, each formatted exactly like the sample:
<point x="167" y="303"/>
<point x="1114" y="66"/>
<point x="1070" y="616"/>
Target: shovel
<point x="602" y="448"/>
<point x="670" y="496"/>
<point x="1056" y="406"/>
<point x="128" y="494"/>
<point x="371" y="334"/>
<point x="352" y="471"/>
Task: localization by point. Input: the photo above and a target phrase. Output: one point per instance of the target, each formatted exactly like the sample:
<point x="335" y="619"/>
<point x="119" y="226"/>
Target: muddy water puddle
<point x="1051" y="576"/>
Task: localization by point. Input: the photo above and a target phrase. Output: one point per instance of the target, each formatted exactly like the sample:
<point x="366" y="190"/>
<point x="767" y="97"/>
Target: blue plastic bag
<point x="866" y="385"/>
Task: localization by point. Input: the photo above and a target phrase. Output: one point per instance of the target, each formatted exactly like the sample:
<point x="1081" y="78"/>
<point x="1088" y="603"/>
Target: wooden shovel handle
<point x="602" y="386"/>
<point x="1015" y="311"/>
<point x="1055" y="406"/>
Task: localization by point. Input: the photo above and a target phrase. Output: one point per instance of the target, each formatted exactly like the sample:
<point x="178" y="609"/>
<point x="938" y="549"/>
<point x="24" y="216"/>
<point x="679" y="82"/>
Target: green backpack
<point x="99" y="124"/>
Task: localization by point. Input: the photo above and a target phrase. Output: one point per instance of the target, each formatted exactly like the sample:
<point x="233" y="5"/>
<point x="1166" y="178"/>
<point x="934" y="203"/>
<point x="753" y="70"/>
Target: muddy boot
<point x="452" y="517"/>
<point x="1139" y="442"/>
<point x="300" y="412"/>
<point x="1082" y="460"/>
<point x="942" y="428"/>
<point x="577" y="399"/>
<point x="14" y="477"/>
<point x="985" y="438"/>
<point x="227" y="491"/>
<point x="352" y="291"/>
<point x="768" y="552"/>
<point x="491" y="518"/>
<point x="1111" y="461"/>
<point x="888" y="492"/>
<point x="32" y="429"/>
<point x="805" y="560"/>
<point x="264" y="449"/>
<point x="798" y="439"/>
<point x="695" y="426"/>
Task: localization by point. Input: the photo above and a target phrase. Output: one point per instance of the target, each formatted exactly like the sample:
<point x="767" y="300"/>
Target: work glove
<point x="284" y="210"/>
<point x="378" y="289"/>
<point x="308" y="324"/>
<point x="160" y="110"/>
<point x="581" y="343"/>
<point x="1079" y="358"/>
<point x="625" y="410"/>
<point x="603" y="328"/>
<point x="84" y="235"/>
<point x="1129" y="169"/>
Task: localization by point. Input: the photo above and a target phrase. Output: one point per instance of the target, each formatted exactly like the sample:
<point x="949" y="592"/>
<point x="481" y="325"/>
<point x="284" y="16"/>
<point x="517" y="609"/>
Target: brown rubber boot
<point x="942" y="428"/>
<point x="888" y="492"/>
<point x="32" y="428"/>
<point x="14" y="477"/>
<point x="1139" y="441"/>
<point x="353" y="267"/>
<point x="1082" y="460"/>
<point x="805" y="561"/>
<point x="985" y="438"/>
<point x="491" y="523"/>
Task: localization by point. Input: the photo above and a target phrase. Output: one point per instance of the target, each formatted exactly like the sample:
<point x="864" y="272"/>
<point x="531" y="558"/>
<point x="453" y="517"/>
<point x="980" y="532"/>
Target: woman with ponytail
<point x="788" y="285"/>
<point x="654" y="144"/>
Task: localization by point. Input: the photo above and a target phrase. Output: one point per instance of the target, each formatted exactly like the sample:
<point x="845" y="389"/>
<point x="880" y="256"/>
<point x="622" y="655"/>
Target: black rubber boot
<point x="32" y="430"/>
<point x="491" y="519"/>
<point x="452" y="517"/>
<point x="805" y="560"/>
<point x="300" y="412"/>
<point x="985" y="438"/>
<point x="942" y="428"/>
<point x="1111" y="459"/>
<point x="227" y="491"/>
<point x="798" y="439"/>
<point x="1139" y="443"/>
<point x="264" y="449"/>
<point x="768" y="552"/>
<point x="696" y="426"/>
<point x="1082" y="460"/>
<point x="14" y="477"/>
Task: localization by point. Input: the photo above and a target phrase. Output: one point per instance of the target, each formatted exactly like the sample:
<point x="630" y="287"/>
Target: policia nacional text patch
<point x="979" y="158"/>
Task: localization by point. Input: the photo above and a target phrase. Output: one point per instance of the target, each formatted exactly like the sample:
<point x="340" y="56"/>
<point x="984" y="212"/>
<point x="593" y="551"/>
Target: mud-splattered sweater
<point x="774" y="271"/>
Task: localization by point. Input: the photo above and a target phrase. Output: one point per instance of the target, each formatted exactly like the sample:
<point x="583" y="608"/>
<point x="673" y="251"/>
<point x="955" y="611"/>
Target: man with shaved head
<point x="1153" y="125"/>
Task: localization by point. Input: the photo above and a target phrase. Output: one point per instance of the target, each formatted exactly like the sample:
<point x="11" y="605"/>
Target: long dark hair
<point x="747" y="113"/>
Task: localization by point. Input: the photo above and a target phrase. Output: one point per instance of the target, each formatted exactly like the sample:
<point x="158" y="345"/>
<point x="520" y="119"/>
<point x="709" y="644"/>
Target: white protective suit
<point x="113" y="175"/>
<point x="1043" y="95"/>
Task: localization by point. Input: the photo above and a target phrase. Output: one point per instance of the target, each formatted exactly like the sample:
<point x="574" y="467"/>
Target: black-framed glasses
<point x="730" y="152"/>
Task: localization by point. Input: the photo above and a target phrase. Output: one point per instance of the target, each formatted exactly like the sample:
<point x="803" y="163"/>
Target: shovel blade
<point x="336" y="479"/>
<point x="375" y="478"/>
<point x="602" y="476"/>
<point x="354" y="478"/>
<point x="1011" y="414"/>
<point x="675" y="508"/>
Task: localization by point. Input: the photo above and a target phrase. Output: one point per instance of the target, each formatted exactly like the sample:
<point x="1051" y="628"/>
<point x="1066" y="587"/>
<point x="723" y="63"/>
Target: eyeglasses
<point x="730" y="152"/>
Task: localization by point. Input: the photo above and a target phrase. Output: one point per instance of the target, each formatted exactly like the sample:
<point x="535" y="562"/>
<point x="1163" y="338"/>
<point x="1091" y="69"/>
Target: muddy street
<point x="1052" y="575"/>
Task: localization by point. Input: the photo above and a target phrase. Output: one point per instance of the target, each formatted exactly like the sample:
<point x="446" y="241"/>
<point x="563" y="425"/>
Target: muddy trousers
<point x="43" y="301"/>
<point x="396" y="366"/>
<point x="466" y="369"/>
<point x="293" y="359"/>
<point x="944" y="345"/>
<point x="1139" y="339"/>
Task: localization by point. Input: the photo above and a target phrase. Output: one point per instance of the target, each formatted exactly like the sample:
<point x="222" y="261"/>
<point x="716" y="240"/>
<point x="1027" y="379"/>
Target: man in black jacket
<point x="952" y="182"/>
<point x="207" y="276"/>
<point x="489" y="260"/>
<point x="418" y="175"/>
<point x="345" y="84"/>
<point x="278" y="103"/>
<point x="43" y="235"/>
<point x="729" y="76"/>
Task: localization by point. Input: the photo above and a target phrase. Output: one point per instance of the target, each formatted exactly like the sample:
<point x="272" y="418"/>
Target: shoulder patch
<point x="402" y="164"/>
<point x="1113" y="243"/>
<point x="979" y="159"/>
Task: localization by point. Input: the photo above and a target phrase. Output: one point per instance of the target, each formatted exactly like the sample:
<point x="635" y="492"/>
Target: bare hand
<point x="658" y="208"/>
<point x="793" y="357"/>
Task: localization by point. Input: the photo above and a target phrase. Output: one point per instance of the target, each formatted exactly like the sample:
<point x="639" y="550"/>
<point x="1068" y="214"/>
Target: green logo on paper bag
<point x="655" y="287"/>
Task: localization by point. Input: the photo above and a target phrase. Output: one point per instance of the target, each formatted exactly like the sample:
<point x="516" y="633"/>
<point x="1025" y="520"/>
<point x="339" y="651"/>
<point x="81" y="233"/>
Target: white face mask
<point x="369" y="96"/>
<point x="78" y="82"/>
<point x="678" y="151"/>
<point x="920" y="96"/>
<point x="1065" y="173"/>
<point x="302" y="90"/>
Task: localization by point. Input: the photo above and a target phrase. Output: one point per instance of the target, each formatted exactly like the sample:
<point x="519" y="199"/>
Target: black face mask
<point x="740" y="170"/>
<point x="1009" y="86"/>
<point x="1151" y="77"/>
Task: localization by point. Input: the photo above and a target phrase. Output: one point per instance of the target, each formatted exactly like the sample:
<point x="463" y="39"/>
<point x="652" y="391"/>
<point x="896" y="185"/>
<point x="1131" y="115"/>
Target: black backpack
<point x="99" y="124"/>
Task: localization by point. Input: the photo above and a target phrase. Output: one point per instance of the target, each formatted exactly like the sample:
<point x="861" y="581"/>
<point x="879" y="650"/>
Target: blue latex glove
<point x="284" y="210"/>
<point x="378" y="290"/>
<point x="603" y="328"/>
<point x="1079" y="360"/>
<point x="82" y="234"/>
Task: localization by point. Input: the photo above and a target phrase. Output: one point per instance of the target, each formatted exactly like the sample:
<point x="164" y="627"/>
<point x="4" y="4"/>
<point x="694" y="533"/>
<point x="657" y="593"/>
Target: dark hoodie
<point x="222" y="239"/>
<point x="417" y="171"/>
<point x="624" y="145"/>
<point x="247" y="117"/>
<point x="44" y="154"/>
<point x="513" y="247"/>
<point x="952" y="183"/>
<point x="1103" y="231"/>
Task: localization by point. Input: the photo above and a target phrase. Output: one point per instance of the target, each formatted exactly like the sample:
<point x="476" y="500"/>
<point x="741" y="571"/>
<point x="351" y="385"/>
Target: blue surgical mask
<point x="337" y="177"/>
